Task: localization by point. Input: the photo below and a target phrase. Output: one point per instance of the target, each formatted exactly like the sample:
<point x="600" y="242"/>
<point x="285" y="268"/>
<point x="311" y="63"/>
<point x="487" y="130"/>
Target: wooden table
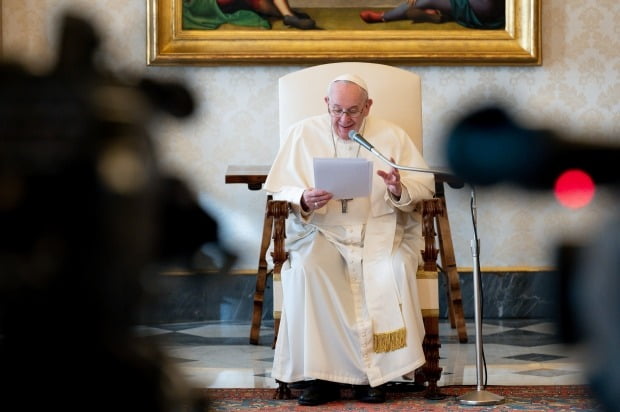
<point x="255" y="175"/>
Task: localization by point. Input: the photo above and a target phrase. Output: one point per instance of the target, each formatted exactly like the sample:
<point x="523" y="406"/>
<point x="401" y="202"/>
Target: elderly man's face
<point x="348" y="105"/>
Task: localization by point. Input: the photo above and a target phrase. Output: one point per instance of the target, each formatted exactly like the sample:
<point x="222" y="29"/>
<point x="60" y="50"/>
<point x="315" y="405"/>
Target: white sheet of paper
<point x="344" y="178"/>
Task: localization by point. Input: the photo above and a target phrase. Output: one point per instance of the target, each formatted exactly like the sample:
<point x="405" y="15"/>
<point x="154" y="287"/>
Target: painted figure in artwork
<point x="475" y="14"/>
<point x="210" y="14"/>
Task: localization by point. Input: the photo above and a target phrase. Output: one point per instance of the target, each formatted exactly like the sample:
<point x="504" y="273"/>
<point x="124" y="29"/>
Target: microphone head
<point x="488" y="147"/>
<point x="356" y="137"/>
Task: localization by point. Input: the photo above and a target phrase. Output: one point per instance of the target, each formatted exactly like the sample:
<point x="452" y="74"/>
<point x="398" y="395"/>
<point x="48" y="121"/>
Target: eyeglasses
<point x="353" y="112"/>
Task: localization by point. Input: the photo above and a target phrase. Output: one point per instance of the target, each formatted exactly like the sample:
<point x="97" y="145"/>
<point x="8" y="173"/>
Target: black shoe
<point x="299" y="384"/>
<point x="319" y="392"/>
<point x="301" y="14"/>
<point x="300" y="23"/>
<point x="365" y="393"/>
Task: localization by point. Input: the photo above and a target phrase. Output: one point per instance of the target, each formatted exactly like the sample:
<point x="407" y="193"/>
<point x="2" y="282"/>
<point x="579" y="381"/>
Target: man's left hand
<point x="392" y="181"/>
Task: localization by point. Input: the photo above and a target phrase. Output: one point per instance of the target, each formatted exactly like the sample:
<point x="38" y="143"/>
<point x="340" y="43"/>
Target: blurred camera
<point x="85" y="214"/>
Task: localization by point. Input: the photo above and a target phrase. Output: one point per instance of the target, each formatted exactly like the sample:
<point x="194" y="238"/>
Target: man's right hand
<point x="313" y="199"/>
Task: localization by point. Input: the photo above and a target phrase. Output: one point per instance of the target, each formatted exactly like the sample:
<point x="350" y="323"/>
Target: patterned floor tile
<point x="516" y="351"/>
<point x="520" y="337"/>
<point x="547" y="373"/>
<point x="535" y="357"/>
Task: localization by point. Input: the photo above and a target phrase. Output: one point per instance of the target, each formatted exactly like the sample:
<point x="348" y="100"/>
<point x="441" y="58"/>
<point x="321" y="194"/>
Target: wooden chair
<point x="397" y="97"/>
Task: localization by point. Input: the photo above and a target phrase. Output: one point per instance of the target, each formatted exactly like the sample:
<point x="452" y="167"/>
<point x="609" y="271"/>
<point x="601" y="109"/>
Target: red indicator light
<point x="574" y="189"/>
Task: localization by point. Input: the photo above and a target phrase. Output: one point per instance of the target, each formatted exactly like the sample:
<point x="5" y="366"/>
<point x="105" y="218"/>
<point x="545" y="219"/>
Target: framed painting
<point x="340" y="35"/>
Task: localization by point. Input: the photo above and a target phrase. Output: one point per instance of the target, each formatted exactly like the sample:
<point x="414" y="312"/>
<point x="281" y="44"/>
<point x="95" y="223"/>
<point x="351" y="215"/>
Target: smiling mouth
<point x="346" y="129"/>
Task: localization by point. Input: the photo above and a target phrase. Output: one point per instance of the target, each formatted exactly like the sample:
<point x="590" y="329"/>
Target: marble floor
<point x="515" y="352"/>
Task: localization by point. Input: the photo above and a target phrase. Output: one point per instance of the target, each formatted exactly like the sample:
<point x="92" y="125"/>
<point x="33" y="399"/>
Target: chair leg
<point x="448" y="261"/>
<point x="279" y="210"/>
<point x="283" y="391"/>
<point x="261" y="276"/>
<point x="257" y="313"/>
<point x="431" y="370"/>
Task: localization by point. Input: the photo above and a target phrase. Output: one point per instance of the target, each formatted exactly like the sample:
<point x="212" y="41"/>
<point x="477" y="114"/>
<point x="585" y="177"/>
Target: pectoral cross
<point x="344" y="202"/>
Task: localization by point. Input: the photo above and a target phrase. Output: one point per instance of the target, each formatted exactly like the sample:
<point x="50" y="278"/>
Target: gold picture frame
<point x="519" y="43"/>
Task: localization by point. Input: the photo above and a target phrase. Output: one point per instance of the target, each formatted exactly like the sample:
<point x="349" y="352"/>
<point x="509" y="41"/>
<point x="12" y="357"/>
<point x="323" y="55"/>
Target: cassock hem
<point x="397" y="374"/>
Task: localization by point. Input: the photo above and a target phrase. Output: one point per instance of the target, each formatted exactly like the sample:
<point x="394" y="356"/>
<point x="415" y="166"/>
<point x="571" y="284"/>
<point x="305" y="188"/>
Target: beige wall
<point x="576" y="91"/>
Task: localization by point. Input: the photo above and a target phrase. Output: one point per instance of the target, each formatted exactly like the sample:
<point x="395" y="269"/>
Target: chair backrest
<point x="395" y="92"/>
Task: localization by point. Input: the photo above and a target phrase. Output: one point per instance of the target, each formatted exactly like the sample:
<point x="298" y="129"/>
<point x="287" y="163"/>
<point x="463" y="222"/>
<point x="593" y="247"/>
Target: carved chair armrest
<point x="430" y="209"/>
<point x="278" y="210"/>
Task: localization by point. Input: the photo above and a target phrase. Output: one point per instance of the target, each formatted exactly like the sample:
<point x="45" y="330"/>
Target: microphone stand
<point x="479" y="396"/>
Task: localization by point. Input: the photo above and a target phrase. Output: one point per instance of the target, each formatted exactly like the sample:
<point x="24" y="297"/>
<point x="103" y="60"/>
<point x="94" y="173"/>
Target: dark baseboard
<point x="212" y="297"/>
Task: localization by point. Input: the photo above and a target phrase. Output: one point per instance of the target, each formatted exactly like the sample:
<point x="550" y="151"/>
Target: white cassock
<point x="350" y="310"/>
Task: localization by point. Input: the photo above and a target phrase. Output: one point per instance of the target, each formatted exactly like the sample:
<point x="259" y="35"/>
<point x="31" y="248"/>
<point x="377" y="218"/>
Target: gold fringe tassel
<point x="389" y="341"/>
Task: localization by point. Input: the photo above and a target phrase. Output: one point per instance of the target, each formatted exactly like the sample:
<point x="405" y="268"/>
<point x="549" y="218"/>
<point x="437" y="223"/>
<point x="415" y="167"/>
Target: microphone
<point x="356" y="137"/>
<point x="453" y="181"/>
<point x="487" y="147"/>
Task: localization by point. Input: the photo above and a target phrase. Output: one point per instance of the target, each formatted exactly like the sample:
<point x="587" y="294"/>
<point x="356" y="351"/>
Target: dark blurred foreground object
<point x="487" y="147"/>
<point x="84" y="215"/>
